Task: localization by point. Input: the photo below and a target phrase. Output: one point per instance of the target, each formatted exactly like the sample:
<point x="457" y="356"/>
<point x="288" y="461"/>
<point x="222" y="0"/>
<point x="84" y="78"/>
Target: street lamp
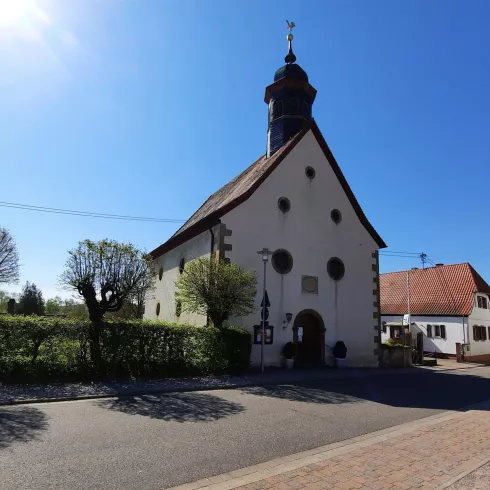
<point x="265" y="252"/>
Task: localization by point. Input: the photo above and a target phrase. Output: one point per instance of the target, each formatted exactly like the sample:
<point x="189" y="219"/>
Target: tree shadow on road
<point x="302" y="394"/>
<point x="20" y="424"/>
<point x="428" y="389"/>
<point x="179" y="407"/>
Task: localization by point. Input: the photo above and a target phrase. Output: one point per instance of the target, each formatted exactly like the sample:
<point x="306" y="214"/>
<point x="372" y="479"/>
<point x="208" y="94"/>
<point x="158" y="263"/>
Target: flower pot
<point x="340" y="363"/>
<point x="289" y="363"/>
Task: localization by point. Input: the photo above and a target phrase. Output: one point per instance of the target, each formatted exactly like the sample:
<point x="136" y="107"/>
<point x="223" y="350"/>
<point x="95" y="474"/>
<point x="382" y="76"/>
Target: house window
<point x="181" y="265"/>
<point x="336" y="216"/>
<point x="482" y="302"/>
<point x="335" y="268"/>
<point x="282" y="261"/>
<point x="310" y="172"/>
<point x="383" y="326"/>
<point x="158" y="309"/>
<point x="160" y="273"/>
<point x="436" y="331"/>
<point x="284" y="204"/>
<point x="480" y="333"/>
<point x="394" y="332"/>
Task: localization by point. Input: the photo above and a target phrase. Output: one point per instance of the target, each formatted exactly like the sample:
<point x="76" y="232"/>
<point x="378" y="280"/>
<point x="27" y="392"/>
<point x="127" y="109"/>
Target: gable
<point x="244" y="185"/>
<point x="440" y="290"/>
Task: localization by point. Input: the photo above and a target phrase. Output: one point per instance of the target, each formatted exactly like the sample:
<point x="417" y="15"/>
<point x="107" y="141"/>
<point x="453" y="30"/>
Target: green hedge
<point x="43" y="348"/>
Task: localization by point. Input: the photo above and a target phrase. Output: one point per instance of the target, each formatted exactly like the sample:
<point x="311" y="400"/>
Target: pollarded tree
<point x="9" y="258"/>
<point x="106" y="274"/>
<point x="216" y="289"/>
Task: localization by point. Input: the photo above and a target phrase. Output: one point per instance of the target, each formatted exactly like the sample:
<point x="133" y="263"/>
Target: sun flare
<point x="14" y="12"/>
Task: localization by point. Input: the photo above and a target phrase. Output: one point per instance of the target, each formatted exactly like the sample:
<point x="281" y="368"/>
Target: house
<point x="449" y="304"/>
<point x="295" y="201"/>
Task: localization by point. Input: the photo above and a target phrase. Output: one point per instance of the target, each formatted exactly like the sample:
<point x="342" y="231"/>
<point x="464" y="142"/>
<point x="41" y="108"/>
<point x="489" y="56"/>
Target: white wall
<point x="312" y="238"/>
<point x="479" y="316"/>
<point x="454" y="331"/>
<point x="164" y="291"/>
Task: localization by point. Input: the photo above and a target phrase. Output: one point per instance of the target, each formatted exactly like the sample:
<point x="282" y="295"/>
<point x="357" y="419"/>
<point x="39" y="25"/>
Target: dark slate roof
<point x="244" y="185"/>
<point x="291" y="70"/>
<point x="440" y="290"/>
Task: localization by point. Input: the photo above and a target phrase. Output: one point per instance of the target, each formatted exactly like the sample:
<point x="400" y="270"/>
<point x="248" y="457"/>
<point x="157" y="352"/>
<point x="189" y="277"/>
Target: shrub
<point x="42" y="348"/>
<point x="392" y="343"/>
<point x="340" y="350"/>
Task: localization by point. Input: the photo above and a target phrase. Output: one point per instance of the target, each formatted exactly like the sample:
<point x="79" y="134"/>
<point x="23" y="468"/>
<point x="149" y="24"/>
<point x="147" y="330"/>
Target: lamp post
<point x="265" y="252"/>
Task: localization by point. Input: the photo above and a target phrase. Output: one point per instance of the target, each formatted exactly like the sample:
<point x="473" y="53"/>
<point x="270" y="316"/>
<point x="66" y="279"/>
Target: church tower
<point x="289" y="98"/>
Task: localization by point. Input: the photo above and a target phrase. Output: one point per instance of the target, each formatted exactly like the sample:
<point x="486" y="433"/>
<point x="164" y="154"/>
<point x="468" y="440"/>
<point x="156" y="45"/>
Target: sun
<point x="13" y="12"/>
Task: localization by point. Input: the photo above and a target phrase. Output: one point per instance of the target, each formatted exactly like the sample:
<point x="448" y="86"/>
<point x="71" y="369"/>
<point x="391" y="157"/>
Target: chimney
<point x="439" y="265"/>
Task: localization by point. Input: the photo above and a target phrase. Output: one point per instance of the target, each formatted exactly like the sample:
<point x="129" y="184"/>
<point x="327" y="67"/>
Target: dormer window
<point x="482" y="302"/>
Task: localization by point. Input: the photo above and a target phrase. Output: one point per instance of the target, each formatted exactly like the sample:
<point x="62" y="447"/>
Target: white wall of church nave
<point x="164" y="292"/>
<point x="309" y="234"/>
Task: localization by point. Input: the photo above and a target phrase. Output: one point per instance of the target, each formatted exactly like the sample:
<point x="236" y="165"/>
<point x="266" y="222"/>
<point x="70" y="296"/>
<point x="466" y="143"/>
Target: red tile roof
<point x="440" y="290"/>
<point x="244" y="185"/>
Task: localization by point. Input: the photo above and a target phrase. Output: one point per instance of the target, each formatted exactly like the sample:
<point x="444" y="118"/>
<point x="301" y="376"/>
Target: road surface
<point x="157" y="441"/>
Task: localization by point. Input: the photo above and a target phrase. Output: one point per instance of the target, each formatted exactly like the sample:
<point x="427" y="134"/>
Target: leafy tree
<point x="216" y="289"/>
<point x="75" y="309"/>
<point x="54" y="306"/>
<point x="31" y="301"/>
<point x="9" y="258"/>
<point x="106" y="274"/>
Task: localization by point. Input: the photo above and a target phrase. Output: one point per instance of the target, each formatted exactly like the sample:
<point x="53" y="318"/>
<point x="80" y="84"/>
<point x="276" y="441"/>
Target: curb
<point x="463" y="474"/>
<point x="261" y="471"/>
<point x="225" y="386"/>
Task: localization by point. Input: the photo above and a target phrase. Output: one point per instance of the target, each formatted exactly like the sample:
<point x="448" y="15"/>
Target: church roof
<point x="439" y="290"/>
<point x="245" y="184"/>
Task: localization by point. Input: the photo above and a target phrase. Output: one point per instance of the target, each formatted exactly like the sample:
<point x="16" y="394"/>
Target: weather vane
<point x="290" y="58"/>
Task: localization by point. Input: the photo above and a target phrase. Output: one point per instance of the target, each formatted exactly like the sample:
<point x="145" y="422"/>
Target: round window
<point x="336" y="216"/>
<point x="158" y="309"/>
<point x="310" y="172"/>
<point x="282" y="261"/>
<point x="160" y="273"/>
<point x="335" y="268"/>
<point x="284" y="204"/>
<point x="181" y="265"/>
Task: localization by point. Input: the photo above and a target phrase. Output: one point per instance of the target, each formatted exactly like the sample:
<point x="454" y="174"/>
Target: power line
<point x="71" y="212"/>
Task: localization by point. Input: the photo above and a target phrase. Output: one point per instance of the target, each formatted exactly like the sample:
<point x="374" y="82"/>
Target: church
<point x="323" y="269"/>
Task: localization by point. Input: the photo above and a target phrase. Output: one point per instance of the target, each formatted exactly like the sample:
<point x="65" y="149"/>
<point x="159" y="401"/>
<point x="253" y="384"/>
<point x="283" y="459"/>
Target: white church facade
<point x="323" y="274"/>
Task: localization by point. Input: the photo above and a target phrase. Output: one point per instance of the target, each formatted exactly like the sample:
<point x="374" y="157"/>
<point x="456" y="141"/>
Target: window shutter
<point x="475" y="333"/>
<point x="429" y="330"/>
<point x="489" y="332"/>
<point x="443" y="331"/>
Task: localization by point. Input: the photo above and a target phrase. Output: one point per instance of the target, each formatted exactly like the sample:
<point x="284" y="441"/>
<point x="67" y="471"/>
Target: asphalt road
<point x="156" y="441"/>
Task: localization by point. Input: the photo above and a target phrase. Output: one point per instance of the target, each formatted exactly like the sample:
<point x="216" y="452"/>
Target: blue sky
<point x="145" y="107"/>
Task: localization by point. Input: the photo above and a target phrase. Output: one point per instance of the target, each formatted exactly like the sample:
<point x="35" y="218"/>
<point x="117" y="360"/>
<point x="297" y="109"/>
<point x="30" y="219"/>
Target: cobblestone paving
<point x="426" y="458"/>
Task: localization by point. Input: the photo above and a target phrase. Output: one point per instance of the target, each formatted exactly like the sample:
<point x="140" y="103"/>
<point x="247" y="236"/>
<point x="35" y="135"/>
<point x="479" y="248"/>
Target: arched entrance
<point x="310" y="352"/>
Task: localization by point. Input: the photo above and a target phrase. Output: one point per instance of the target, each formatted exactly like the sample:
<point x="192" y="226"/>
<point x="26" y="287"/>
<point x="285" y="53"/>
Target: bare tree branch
<point x="9" y="258"/>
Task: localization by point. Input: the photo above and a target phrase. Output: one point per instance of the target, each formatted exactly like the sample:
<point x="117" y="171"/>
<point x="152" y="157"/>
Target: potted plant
<point x="340" y="353"/>
<point x="288" y="353"/>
